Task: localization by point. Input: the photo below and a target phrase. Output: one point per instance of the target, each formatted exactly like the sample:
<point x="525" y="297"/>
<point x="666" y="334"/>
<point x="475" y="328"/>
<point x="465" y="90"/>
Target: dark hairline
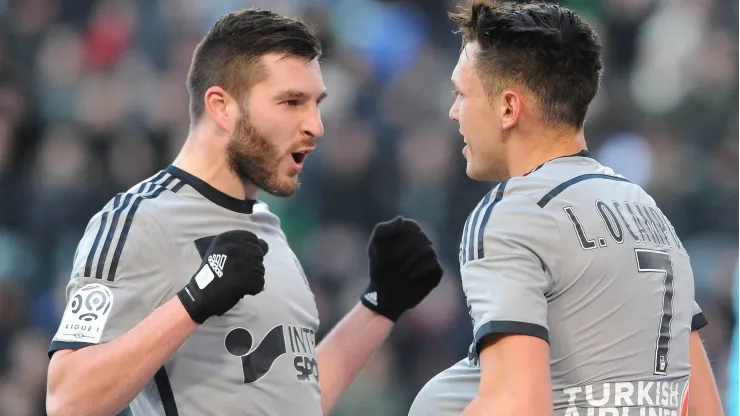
<point x="567" y="111"/>
<point x="225" y="59"/>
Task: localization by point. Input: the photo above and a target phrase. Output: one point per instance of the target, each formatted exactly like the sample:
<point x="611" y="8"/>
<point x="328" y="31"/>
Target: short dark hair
<point x="546" y="48"/>
<point x="228" y="54"/>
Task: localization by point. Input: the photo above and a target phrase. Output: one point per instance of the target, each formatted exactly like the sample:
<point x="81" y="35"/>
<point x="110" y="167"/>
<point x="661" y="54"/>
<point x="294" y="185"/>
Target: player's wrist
<point x="177" y="311"/>
<point x="376" y="300"/>
<point x="391" y="316"/>
<point x="196" y="308"/>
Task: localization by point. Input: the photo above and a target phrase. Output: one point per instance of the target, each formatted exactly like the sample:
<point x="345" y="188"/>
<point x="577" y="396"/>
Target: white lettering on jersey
<point x="86" y="314"/>
<point x="651" y="397"/>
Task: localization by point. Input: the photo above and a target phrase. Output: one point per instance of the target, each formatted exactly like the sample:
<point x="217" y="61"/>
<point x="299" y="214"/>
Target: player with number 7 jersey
<point x="580" y="292"/>
<point x="581" y="257"/>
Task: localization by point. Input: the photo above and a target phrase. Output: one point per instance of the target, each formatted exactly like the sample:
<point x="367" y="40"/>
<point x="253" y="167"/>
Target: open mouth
<point x="299" y="157"/>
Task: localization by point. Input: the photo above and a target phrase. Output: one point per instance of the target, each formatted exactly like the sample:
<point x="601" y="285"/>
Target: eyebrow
<point x="299" y="95"/>
<point x="454" y="85"/>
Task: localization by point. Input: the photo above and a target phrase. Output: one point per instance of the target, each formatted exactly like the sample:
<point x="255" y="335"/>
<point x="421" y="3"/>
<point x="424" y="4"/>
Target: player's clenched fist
<point x="231" y="269"/>
<point x="403" y="268"/>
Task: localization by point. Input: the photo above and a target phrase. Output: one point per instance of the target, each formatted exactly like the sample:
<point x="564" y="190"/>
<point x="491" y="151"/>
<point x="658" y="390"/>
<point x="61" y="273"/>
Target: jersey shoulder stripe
<point x="118" y="207"/>
<point x="125" y="205"/>
<point x="471" y="246"/>
<point x="472" y="219"/>
<point x="486" y="216"/>
<point x="171" y="183"/>
<point x="567" y="184"/>
<point x="115" y="211"/>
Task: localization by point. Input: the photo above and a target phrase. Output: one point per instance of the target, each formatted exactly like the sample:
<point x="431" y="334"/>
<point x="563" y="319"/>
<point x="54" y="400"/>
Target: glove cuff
<point x="371" y="300"/>
<point x="196" y="309"/>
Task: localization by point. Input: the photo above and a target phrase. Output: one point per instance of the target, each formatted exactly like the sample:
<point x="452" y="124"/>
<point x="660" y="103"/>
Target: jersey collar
<point x="243" y="206"/>
<point x="582" y="153"/>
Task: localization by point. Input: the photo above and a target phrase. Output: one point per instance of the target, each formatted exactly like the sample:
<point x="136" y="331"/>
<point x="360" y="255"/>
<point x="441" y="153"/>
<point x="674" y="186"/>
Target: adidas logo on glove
<point x="372" y="297"/>
<point x="217" y="262"/>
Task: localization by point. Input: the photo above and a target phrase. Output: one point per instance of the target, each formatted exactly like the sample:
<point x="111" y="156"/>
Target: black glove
<point x="231" y="269"/>
<point x="403" y="268"/>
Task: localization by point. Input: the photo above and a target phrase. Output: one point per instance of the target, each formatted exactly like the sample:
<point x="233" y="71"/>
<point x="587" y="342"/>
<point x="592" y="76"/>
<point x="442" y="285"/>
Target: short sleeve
<point x="508" y="284"/>
<point x="118" y="278"/>
<point x="698" y="321"/>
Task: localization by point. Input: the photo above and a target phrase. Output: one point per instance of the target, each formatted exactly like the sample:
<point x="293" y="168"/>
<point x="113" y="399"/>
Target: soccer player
<point x="580" y="292"/>
<point x="185" y="297"/>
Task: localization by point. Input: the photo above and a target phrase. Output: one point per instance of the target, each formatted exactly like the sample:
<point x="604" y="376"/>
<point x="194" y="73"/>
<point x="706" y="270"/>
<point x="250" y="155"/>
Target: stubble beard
<point x="253" y="157"/>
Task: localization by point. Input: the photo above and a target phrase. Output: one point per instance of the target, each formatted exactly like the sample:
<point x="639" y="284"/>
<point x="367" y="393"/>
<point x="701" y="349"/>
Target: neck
<point x="203" y="155"/>
<point x="541" y="147"/>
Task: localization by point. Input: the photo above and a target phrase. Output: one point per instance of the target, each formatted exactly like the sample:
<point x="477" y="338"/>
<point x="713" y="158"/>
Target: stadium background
<point x="92" y="100"/>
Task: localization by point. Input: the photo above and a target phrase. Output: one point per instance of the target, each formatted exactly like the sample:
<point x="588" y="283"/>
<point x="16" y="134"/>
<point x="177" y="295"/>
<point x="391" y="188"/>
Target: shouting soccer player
<point x="185" y="297"/>
<point x="580" y="292"/>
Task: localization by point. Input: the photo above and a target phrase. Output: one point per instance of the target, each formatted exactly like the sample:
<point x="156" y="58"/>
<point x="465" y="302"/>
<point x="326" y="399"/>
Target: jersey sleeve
<point x="698" y="321"/>
<point x="508" y="282"/>
<point x="118" y="278"/>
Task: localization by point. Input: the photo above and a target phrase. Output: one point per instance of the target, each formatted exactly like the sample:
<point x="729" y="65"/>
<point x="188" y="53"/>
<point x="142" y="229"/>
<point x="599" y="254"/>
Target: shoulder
<point x="515" y="213"/>
<point x="130" y="225"/>
<point x="150" y="196"/>
<point x="511" y="199"/>
<point x="156" y="197"/>
<point x="513" y="230"/>
<point x="551" y="181"/>
<point x="505" y="216"/>
<point x="149" y="202"/>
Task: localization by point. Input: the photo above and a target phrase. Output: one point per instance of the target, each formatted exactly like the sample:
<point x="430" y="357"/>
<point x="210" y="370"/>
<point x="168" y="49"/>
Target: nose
<point x="455" y="111"/>
<point x="313" y="126"/>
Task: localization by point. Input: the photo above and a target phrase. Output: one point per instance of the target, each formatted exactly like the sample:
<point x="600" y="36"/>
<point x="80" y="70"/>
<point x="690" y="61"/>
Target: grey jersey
<point x="581" y="257"/>
<point x="142" y="248"/>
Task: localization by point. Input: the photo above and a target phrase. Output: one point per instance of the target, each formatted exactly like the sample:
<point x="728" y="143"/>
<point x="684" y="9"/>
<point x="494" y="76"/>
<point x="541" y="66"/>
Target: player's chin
<point x="474" y="173"/>
<point x="282" y="189"/>
<point x="287" y="184"/>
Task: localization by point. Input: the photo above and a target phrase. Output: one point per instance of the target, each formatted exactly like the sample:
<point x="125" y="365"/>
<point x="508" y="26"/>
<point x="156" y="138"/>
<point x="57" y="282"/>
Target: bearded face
<point x="256" y="158"/>
<point x="279" y="124"/>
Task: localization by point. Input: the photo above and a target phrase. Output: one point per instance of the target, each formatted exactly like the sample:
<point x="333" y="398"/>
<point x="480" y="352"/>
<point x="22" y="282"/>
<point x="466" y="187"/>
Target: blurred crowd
<point x="93" y="100"/>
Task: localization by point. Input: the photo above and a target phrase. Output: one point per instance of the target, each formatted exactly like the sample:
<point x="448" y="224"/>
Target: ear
<point x="511" y="109"/>
<point x="222" y="108"/>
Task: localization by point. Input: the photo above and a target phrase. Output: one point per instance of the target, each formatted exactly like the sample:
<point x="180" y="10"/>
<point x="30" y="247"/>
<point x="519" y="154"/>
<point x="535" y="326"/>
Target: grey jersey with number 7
<point x="257" y="359"/>
<point x="583" y="258"/>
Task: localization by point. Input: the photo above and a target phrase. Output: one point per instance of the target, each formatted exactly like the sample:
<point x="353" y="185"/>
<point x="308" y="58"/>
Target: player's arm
<point x="105" y="325"/>
<point x="346" y="349"/>
<point x="506" y="281"/>
<point x="113" y="338"/>
<point x="703" y="393"/>
<point x="403" y="270"/>
<point x="515" y="377"/>
<point x="102" y="379"/>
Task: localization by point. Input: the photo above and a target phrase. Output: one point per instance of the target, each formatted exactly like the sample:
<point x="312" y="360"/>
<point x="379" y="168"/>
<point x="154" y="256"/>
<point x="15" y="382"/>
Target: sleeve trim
<point x="62" y="345"/>
<point x="508" y="328"/>
<point x="699" y="321"/>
